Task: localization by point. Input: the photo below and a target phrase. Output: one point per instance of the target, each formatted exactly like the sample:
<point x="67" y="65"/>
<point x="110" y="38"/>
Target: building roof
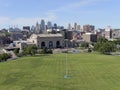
<point x="89" y="34"/>
<point x="46" y="35"/>
<point x="50" y="35"/>
<point x="22" y="41"/>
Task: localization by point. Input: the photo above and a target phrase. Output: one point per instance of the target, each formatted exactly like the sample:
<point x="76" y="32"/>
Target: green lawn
<point x="87" y="71"/>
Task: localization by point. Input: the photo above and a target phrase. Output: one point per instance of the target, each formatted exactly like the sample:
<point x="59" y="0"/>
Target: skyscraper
<point x="78" y="27"/>
<point x="42" y="25"/>
<point x="37" y="29"/>
<point x="55" y="26"/>
<point x="33" y="29"/>
<point x="75" y="26"/>
<point x="49" y="25"/>
<point x="69" y="26"/>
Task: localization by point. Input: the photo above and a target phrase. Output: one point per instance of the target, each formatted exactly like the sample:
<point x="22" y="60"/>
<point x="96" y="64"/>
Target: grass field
<point x="87" y="71"/>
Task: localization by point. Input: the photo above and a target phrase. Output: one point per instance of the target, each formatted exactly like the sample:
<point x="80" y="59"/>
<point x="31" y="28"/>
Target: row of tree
<point x="103" y="45"/>
<point x="4" y="57"/>
<point x="106" y="47"/>
<point x="32" y="50"/>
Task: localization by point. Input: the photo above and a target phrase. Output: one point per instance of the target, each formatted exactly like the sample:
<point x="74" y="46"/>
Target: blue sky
<point x="27" y="12"/>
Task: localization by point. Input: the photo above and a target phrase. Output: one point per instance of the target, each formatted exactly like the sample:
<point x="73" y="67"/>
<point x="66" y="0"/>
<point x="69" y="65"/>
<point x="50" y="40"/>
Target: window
<point x="50" y="44"/>
<point x="58" y="44"/>
<point x="33" y="41"/>
<point x="43" y="45"/>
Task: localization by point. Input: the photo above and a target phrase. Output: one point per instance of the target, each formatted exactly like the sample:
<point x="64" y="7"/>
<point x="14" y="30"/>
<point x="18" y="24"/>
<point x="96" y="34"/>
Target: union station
<point x="47" y="40"/>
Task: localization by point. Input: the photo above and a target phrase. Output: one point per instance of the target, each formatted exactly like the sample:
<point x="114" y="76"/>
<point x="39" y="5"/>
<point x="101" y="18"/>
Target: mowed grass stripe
<point x="95" y="72"/>
<point x="46" y="72"/>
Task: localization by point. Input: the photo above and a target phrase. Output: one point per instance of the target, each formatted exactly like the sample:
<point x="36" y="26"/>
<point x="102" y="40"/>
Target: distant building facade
<point x="89" y="37"/>
<point x="16" y="36"/>
<point x="116" y="33"/>
<point x="4" y="40"/>
<point x="75" y="26"/>
<point x="69" y="27"/>
<point x="108" y="32"/>
<point x="78" y="27"/>
<point x="42" y="25"/>
<point x="14" y="30"/>
<point x="47" y="40"/>
<point x="88" y="28"/>
<point x="49" y="25"/>
<point x="26" y="28"/>
<point x="37" y="28"/>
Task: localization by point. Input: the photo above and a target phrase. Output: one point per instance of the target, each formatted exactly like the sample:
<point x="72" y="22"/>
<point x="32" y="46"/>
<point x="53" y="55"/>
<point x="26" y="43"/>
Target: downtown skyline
<point x="100" y="13"/>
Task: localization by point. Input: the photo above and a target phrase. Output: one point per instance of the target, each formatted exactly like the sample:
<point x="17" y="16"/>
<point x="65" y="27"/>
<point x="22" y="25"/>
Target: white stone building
<point x="47" y="40"/>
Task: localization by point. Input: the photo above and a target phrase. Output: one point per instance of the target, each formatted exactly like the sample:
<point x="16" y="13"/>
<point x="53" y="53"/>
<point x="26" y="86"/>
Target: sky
<point x="100" y="13"/>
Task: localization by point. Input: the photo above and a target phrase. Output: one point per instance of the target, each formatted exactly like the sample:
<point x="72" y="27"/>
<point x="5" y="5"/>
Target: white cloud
<point x="26" y="21"/>
<point x="81" y="3"/>
<point x="50" y="16"/>
<point x="4" y="19"/>
<point x="31" y="21"/>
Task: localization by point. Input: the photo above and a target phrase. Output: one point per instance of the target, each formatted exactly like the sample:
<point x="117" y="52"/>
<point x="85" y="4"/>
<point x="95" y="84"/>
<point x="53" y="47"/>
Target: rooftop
<point x="50" y="35"/>
<point x="46" y="35"/>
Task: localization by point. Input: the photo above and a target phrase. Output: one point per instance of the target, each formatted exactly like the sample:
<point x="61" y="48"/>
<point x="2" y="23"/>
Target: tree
<point x="16" y="51"/>
<point x="5" y="56"/>
<point x="102" y="40"/>
<point x="117" y="41"/>
<point x="31" y="50"/>
<point x="99" y="43"/>
<point x="0" y="58"/>
<point x="89" y="50"/>
<point x="108" y="47"/>
<point x="85" y="45"/>
<point x="104" y="46"/>
<point x="46" y="51"/>
<point x="43" y="51"/>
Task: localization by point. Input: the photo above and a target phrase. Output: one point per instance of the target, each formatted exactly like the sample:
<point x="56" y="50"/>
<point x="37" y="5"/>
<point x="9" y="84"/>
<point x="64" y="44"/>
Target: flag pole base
<point x="67" y="76"/>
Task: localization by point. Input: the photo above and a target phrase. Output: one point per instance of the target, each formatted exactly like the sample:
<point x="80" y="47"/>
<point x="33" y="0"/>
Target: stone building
<point x="47" y="40"/>
<point x="116" y="33"/>
<point x="89" y="37"/>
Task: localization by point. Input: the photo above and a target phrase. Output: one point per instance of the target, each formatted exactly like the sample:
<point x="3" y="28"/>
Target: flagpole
<point x="66" y="76"/>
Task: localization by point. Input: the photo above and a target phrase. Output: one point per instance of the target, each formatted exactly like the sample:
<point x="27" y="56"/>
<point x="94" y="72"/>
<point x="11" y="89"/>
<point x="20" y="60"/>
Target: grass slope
<point x="87" y="71"/>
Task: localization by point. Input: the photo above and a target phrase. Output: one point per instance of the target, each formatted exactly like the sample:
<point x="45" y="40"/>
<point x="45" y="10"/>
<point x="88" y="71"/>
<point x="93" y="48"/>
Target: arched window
<point x="58" y="44"/>
<point x="50" y="44"/>
<point x="43" y="45"/>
